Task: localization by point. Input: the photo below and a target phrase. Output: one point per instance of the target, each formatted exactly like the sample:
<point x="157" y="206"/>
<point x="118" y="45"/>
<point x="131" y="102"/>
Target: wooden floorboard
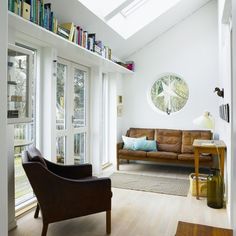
<point x="134" y="213"/>
<point x="189" y="229"/>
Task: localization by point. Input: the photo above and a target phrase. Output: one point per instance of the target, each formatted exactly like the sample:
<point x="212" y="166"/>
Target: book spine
<point x="51" y="21"/>
<point x="42" y="12"/>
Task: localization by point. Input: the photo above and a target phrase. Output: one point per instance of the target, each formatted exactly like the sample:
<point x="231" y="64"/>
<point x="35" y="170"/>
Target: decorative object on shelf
<point x="169" y="93"/>
<point x="219" y="92"/>
<point x="224" y="112"/>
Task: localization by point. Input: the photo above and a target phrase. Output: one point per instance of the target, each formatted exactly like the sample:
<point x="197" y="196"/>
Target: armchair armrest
<point x="70" y="171"/>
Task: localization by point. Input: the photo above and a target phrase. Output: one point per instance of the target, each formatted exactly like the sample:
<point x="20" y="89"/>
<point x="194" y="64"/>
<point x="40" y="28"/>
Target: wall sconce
<point x="219" y="92"/>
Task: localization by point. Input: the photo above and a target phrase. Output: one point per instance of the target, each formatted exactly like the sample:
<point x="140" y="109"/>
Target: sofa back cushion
<point x="139" y="132"/>
<point x="168" y="140"/>
<point x="189" y="136"/>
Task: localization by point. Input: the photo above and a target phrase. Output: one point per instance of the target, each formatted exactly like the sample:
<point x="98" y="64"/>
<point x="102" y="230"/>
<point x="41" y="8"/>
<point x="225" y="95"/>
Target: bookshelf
<point x="27" y="30"/>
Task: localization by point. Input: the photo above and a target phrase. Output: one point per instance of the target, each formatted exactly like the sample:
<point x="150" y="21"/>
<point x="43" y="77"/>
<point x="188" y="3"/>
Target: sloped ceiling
<point x="73" y="10"/>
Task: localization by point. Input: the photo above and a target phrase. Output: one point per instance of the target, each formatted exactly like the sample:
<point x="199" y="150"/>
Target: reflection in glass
<point x="79" y="99"/>
<point x="18" y="77"/>
<point x="61" y="149"/>
<point x="60" y="97"/>
<point x="79" y="148"/>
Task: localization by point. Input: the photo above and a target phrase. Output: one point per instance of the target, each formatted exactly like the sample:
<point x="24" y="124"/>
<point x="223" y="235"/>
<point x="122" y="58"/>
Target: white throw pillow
<point x="129" y="142"/>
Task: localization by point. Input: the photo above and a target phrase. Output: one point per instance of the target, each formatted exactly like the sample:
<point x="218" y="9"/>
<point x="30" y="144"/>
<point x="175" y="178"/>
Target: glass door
<point x="61" y="110"/>
<point x="71" y="113"/>
<point x="79" y="117"/>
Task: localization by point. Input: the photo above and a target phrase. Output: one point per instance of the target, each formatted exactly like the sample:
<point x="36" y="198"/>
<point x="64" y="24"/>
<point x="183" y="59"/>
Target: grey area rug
<point x="164" y="185"/>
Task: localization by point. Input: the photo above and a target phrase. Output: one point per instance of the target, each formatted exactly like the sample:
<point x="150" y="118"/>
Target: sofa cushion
<point x="145" y="145"/>
<point x="188" y="137"/>
<point x="127" y="153"/>
<point x="138" y="132"/>
<point x="189" y="156"/>
<point x="129" y="142"/>
<point x="168" y="140"/>
<point x="162" y="155"/>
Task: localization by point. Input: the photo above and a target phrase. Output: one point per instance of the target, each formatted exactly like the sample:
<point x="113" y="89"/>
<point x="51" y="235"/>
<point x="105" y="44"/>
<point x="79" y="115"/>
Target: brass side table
<point x="217" y="147"/>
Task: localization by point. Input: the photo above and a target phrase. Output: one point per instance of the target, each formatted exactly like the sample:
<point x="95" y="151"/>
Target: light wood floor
<point x="134" y="213"/>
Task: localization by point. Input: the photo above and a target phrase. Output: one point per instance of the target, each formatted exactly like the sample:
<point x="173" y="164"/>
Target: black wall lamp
<point x="219" y="92"/>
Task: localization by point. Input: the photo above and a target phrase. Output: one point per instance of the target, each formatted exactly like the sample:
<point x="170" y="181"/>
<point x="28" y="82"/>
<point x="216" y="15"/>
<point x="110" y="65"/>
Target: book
<point x="91" y="41"/>
<point x="26" y="10"/>
<point x="69" y="26"/>
<point x="63" y="32"/>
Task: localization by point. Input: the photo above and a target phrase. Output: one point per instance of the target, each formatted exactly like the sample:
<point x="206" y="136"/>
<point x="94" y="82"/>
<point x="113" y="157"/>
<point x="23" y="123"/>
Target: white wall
<point x="233" y="140"/>
<point x="190" y="49"/>
<point x="225" y="82"/>
<point x="3" y="120"/>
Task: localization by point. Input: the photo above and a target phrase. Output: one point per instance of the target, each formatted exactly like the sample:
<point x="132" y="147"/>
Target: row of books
<point x="35" y="11"/>
<point x="41" y="14"/>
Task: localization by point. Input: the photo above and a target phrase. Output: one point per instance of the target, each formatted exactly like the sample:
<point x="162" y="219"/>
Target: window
<point x="127" y="17"/>
<point x="169" y="93"/>
<point x="24" y="135"/>
<point x="105" y="119"/>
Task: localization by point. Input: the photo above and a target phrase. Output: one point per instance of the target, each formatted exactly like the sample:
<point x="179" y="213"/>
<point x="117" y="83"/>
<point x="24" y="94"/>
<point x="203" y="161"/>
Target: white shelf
<point x="42" y="37"/>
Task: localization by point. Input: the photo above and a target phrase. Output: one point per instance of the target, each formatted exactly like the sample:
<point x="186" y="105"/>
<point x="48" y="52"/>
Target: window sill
<point x="25" y="207"/>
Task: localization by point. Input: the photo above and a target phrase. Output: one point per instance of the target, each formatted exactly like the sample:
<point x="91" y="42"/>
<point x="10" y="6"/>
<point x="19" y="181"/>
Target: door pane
<point x="61" y="149"/>
<point x="18" y="82"/>
<point x="23" y="137"/>
<point x="60" y="97"/>
<point x="79" y="148"/>
<point x="79" y="115"/>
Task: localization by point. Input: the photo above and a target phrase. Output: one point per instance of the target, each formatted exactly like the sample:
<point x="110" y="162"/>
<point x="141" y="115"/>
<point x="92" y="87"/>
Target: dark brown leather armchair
<point x="65" y="192"/>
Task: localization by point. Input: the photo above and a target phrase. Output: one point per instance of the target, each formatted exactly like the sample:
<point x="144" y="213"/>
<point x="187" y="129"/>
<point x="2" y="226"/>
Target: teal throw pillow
<point x="145" y="145"/>
<point x="129" y="142"/>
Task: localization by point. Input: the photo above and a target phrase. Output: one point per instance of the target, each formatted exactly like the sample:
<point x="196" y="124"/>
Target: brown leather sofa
<point x="174" y="146"/>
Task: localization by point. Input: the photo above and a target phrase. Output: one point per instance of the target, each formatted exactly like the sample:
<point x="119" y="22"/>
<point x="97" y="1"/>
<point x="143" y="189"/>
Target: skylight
<point x="127" y="17"/>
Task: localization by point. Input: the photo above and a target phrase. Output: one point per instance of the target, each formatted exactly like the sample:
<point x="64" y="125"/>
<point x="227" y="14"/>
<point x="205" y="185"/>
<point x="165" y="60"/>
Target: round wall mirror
<point x="169" y="93"/>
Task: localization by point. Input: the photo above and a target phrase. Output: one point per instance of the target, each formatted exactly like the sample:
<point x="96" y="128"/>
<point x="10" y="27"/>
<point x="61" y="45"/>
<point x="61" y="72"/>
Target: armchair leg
<point x="108" y="222"/>
<point x="45" y="229"/>
<point x="36" y="214"/>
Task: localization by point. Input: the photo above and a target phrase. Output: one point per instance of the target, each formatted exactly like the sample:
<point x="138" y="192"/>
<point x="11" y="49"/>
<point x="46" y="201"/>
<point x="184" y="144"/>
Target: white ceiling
<point x="73" y="10"/>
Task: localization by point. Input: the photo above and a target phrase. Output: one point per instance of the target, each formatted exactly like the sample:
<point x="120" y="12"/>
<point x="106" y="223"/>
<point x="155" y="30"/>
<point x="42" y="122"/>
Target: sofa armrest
<point x="119" y="145"/>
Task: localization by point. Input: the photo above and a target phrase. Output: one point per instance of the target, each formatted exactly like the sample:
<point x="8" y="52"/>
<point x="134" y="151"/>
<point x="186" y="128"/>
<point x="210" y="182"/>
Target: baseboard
<point x="12" y="225"/>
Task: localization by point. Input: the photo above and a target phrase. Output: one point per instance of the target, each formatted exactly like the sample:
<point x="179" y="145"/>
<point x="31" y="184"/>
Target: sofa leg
<point x="118" y="164"/>
<point x="108" y="222"/>
<point x="36" y="214"/>
<point x="45" y="229"/>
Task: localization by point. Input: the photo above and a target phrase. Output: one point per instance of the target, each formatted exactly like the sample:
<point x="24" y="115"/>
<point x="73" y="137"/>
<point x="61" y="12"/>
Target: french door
<point x="71" y="113"/>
